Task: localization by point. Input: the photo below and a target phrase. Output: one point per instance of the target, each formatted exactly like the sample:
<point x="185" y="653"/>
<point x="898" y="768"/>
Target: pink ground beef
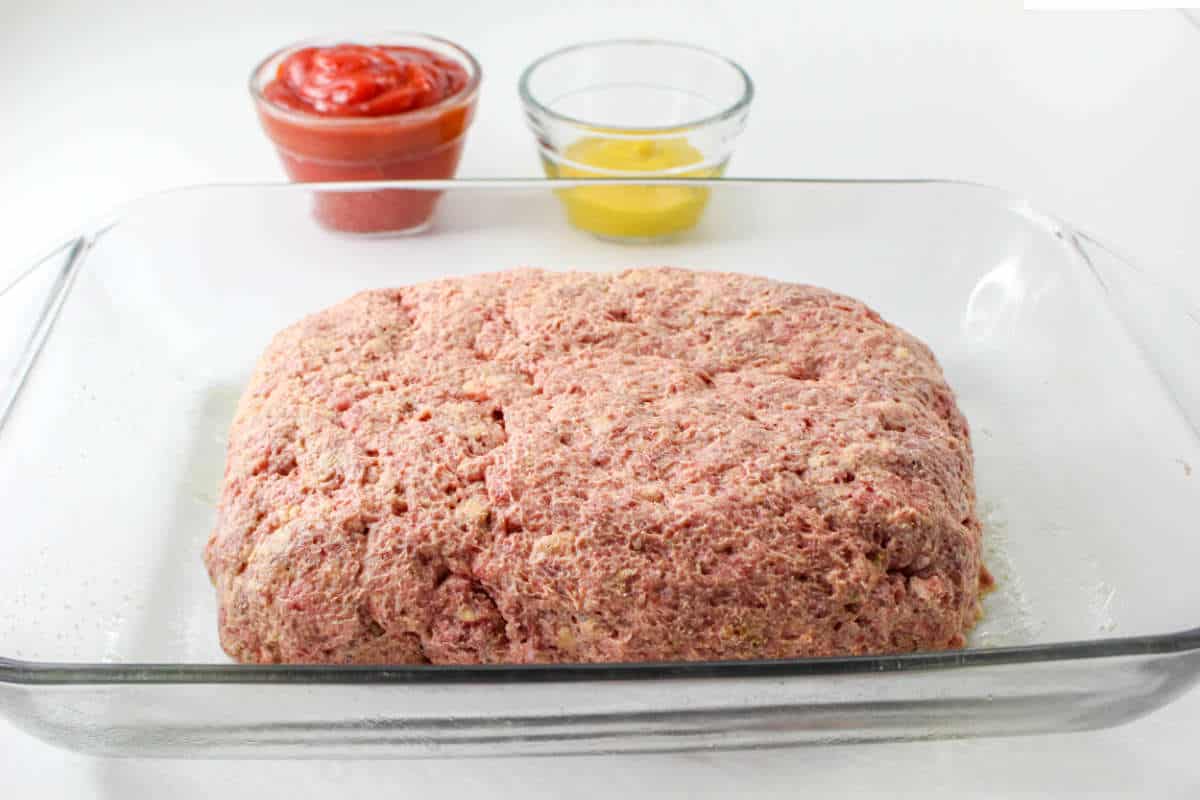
<point x="533" y="466"/>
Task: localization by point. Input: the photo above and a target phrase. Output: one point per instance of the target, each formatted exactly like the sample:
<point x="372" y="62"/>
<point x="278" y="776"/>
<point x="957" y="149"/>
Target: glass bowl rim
<point x="464" y="96"/>
<point x="740" y="106"/>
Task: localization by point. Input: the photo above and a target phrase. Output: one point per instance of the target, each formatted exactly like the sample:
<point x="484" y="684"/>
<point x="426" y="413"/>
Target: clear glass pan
<point x="123" y="353"/>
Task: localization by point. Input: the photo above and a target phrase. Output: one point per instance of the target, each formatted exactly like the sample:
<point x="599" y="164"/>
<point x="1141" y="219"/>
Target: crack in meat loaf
<point x="534" y="466"/>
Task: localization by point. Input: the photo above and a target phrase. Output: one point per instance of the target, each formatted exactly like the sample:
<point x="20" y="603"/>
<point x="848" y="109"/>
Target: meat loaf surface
<point x="657" y="464"/>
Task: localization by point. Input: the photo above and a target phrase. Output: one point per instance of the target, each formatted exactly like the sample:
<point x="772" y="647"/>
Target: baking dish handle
<point x="29" y="304"/>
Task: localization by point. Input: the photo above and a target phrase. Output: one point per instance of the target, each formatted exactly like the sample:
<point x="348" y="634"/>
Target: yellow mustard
<point x="633" y="212"/>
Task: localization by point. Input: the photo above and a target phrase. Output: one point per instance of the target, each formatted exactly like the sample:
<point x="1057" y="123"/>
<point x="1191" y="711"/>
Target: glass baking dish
<point x="123" y="354"/>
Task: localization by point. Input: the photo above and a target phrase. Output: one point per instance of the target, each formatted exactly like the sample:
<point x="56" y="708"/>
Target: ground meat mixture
<point x="656" y="464"/>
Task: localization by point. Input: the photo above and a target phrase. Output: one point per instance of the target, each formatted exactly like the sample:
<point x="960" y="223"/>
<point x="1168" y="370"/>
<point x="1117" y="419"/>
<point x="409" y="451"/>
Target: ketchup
<point x="353" y="112"/>
<point x="354" y="80"/>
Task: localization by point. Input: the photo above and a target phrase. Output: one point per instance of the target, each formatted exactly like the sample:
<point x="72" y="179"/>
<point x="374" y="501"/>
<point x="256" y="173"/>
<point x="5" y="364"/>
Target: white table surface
<point x="1096" y="117"/>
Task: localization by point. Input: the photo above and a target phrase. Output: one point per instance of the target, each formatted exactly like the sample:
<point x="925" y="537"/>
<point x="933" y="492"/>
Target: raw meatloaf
<point x="533" y="466"/>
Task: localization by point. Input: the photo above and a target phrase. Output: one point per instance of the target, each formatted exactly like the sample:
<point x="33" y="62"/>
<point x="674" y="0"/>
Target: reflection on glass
<point x="994" y="302"/>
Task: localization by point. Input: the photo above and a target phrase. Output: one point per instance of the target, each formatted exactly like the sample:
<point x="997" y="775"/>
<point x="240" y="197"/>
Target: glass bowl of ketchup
<point x="393" y="106"/>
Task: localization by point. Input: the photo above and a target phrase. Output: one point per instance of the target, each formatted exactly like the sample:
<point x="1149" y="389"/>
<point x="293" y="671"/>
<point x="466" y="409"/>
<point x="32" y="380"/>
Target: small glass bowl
<point x="422" y="144"/>
<point x="635" y="108"/>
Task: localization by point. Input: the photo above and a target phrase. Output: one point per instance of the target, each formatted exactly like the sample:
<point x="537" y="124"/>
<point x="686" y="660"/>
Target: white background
<point x="1094" y="116"/>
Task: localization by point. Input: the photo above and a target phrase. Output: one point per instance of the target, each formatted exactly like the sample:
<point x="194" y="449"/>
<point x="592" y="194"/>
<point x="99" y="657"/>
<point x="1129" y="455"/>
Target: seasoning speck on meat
<point x="657" y="464"/>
